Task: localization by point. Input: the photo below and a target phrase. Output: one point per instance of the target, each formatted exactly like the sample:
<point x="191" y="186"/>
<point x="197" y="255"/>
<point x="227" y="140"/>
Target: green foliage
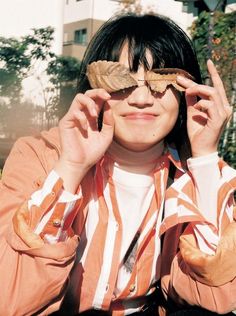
<point x="17" y="57"/>
<point x="214" y="37"/>
<point x="39" y="43"/>
<point x="63" y="71"/>
<point x="20" y="59"/>
<point x="134" y="6"/>
<point x="14" y="65"/>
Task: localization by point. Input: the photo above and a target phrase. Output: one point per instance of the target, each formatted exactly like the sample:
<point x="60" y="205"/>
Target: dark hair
<point x="169" y="46"/>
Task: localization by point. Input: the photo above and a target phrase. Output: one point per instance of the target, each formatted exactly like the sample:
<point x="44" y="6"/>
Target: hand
<point x="213" y="270"/>
<point x="81" y="142"/>
<point x="207" y="117"/>
<point x="22" y="227"/>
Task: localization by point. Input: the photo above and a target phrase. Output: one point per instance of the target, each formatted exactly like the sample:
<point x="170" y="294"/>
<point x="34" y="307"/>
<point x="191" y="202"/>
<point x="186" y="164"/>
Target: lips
<point x="140" y="116"/>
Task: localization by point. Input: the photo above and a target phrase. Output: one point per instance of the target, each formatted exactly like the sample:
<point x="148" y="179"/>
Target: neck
<point x="137" y="162"/>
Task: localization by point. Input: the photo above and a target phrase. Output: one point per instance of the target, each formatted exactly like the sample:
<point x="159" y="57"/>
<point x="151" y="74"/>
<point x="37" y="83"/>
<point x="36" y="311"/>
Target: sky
<point x="17" y="17"/>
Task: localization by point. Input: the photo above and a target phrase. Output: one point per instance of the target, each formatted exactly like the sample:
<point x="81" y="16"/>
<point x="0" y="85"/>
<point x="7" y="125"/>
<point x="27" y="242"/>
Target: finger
<point x="108" y="120"/>
<point x="191" y="100"/>
<point x="99" y="96"/>
<point x="194" y="90"/>
<point x="185" y="82"/>
<point x="207" y="93"/>
<point x="74" y="118"/>
<point x="217" y="82"/>
<point x="83" y="102"/>
<point x="228" y="110"/>
<point x="81" y="120"/>
<point x="210" y="110"/>
<point x="83" y="112"/>
<point x="204" y="92"/>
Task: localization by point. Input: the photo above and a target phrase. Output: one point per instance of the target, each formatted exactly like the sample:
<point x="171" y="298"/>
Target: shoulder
<point x="36" y="146"/>
<point x="31" y="158"/>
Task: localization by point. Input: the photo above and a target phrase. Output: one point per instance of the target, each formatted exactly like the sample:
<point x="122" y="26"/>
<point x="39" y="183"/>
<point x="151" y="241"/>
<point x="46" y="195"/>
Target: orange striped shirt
<point x="99" y="259"/>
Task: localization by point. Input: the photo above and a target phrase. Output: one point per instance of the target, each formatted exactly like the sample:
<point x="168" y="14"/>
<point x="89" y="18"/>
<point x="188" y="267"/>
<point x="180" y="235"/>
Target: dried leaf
<point x="159" y="79"/>
<point x="111" y="76"/>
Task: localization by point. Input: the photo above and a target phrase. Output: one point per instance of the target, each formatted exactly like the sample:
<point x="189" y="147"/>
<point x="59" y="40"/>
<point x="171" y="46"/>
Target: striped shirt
<point x="116" y="268"/>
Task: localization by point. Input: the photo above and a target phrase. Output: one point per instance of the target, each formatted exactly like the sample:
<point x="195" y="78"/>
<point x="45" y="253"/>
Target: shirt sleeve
<point x="207" y="179"/>
<point x="177" y="281"/>
<point x="59" y="209"/>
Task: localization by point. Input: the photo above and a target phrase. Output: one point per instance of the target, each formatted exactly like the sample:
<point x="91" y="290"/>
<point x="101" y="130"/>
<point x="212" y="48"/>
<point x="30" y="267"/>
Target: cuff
<point x="58" y="208"/>
<point x="62" y="251"/>
<point x="203" y="160"/>
<point x="52" y="185"/>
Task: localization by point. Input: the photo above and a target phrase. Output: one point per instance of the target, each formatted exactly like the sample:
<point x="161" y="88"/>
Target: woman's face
<point x="142" y="117"/>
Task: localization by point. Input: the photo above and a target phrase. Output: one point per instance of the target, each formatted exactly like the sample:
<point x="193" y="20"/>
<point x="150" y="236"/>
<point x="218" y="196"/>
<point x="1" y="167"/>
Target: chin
<point x="138" y="145"/>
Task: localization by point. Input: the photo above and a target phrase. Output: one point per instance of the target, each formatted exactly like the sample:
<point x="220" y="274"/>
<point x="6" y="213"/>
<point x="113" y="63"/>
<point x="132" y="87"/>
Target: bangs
<point x="161" y="38"/>
<point x="162" y="42"/>
<point x="137" y="54"/>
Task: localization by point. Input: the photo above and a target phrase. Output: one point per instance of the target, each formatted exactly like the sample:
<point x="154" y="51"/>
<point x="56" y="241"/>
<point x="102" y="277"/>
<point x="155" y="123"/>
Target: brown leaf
<point x="159" y="79"/>
<point x="111" y="76"/>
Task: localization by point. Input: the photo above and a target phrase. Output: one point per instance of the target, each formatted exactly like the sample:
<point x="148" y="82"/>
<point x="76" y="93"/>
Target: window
<point x="81" y="36"/>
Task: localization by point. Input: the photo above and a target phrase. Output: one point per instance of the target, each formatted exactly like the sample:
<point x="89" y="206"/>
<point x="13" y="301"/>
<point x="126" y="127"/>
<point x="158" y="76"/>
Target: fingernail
<point x="85" y="126"/>
<point x="107" y="95"/>
<point x="181" y="78"/>
<point x="210" y="61"/>
<point x="94" y="113"/>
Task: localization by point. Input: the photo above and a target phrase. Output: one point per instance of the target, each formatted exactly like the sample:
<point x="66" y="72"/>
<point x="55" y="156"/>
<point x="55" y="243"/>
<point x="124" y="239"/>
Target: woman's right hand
<point x="81" y="142"/>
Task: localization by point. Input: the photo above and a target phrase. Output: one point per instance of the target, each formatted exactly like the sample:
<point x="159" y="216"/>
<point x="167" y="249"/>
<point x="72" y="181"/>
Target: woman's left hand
<point x="208" y="111"/>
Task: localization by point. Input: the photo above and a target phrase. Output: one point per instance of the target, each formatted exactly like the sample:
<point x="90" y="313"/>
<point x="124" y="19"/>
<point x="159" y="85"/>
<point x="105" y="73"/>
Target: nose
<point x="141" y="97"/>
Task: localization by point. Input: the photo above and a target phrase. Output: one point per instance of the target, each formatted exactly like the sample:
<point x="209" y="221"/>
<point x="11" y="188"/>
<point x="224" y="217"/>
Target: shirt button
<point x="56" y="222"/>
<point x="132" y="287"/>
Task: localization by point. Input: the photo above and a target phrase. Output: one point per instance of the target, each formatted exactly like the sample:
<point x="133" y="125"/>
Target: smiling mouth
<point x="140" y="116"/>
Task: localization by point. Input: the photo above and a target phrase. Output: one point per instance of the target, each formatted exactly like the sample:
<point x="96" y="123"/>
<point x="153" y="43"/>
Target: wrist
<point x="202" y="153"/>
<point x="71" y="173"/>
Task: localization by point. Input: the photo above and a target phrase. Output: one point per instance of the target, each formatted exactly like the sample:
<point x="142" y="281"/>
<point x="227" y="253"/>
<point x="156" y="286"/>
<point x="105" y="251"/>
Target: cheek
<point x="170" y="104"/>
<point x="173" y="116"/>
<point x="115" y="105"/>
<point x="170" y="110"/>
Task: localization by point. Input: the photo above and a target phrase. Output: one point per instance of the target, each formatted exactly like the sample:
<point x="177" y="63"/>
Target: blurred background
<point x="42" y="43"/>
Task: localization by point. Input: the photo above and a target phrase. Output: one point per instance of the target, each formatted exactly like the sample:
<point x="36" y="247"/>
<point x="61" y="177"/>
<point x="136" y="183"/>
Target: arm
<point x="183" y="282"/>
<point x="39" y="270"/>
<point x="26" y="273"/>
<point x="179" y="284"/>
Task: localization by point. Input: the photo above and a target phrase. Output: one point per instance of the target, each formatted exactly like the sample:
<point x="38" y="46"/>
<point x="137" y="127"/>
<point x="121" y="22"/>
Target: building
<point x="82" y="18"/>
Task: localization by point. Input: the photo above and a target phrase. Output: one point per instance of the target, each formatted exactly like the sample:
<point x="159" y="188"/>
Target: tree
<point x="134" y="6"/>
<point x="213" y="36"/>
<point x="14" y="65"/>
<point x="19" y="56"/>
<point x="63" y="71"/>
<point x="18" y="59"/>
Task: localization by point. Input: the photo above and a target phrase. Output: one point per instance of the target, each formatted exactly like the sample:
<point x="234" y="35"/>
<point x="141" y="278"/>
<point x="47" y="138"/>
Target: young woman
<point x="99" y="203"/>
